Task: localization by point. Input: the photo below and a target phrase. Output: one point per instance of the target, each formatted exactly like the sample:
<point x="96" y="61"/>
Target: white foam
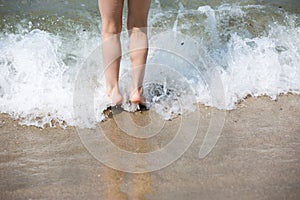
<point x="37" y="76"/>
<point x="262" y="66"/>
<point x="32" y="72"/>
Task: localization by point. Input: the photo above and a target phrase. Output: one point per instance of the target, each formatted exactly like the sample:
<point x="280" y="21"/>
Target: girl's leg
<point x="111" y="14"/>
<point x="137" y="26"/>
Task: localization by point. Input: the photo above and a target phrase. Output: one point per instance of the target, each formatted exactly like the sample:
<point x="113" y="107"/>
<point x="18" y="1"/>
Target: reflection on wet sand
<point x="114" y="180"/>
<point x="121" y="185"/>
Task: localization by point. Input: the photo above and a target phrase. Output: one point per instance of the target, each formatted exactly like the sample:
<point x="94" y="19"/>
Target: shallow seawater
<point x="210" y="52"/>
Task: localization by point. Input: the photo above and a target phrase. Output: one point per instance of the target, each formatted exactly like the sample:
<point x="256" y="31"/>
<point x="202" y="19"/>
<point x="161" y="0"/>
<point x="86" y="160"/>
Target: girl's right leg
<point x="111" y="14"/>
<point x="137" y="27"/>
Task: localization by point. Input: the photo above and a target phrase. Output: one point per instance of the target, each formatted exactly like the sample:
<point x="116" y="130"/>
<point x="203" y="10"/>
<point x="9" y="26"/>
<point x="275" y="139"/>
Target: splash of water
<point x="251" y="56"/>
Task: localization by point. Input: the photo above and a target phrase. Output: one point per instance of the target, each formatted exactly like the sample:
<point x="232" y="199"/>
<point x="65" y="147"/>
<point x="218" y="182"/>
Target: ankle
<point x="139" y="90"/>
<point x="115" y="95"/>
<point x="110" y="90"/>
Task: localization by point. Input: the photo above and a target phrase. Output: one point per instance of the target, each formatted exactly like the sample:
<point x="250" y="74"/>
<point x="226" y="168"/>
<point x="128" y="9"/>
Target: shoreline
<point x="55" y="125"/>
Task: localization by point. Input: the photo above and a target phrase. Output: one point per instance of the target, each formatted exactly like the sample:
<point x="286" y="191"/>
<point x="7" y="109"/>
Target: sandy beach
<point x="52" y="71"/>
<point x="256" y="157"/>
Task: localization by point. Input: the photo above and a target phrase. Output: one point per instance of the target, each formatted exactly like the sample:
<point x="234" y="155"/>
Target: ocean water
<point x="214" y="53"/>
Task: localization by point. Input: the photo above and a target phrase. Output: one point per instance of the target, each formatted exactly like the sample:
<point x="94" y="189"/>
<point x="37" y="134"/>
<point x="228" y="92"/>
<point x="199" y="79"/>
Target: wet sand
<point x="256" y="157"/>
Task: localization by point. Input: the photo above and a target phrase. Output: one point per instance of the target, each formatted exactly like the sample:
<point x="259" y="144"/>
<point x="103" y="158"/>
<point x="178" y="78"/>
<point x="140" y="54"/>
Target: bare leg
<point x="137" y="26"/>
<point x="111" y="14"/>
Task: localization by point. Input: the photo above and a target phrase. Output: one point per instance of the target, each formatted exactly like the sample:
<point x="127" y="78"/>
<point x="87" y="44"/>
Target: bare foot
<point x="115" y="96"/>
<point x="136" y="96"/>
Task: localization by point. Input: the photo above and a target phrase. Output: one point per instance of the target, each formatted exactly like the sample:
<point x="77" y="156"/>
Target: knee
<point x="110" y="28"/>
<point x="134" y="23"/>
